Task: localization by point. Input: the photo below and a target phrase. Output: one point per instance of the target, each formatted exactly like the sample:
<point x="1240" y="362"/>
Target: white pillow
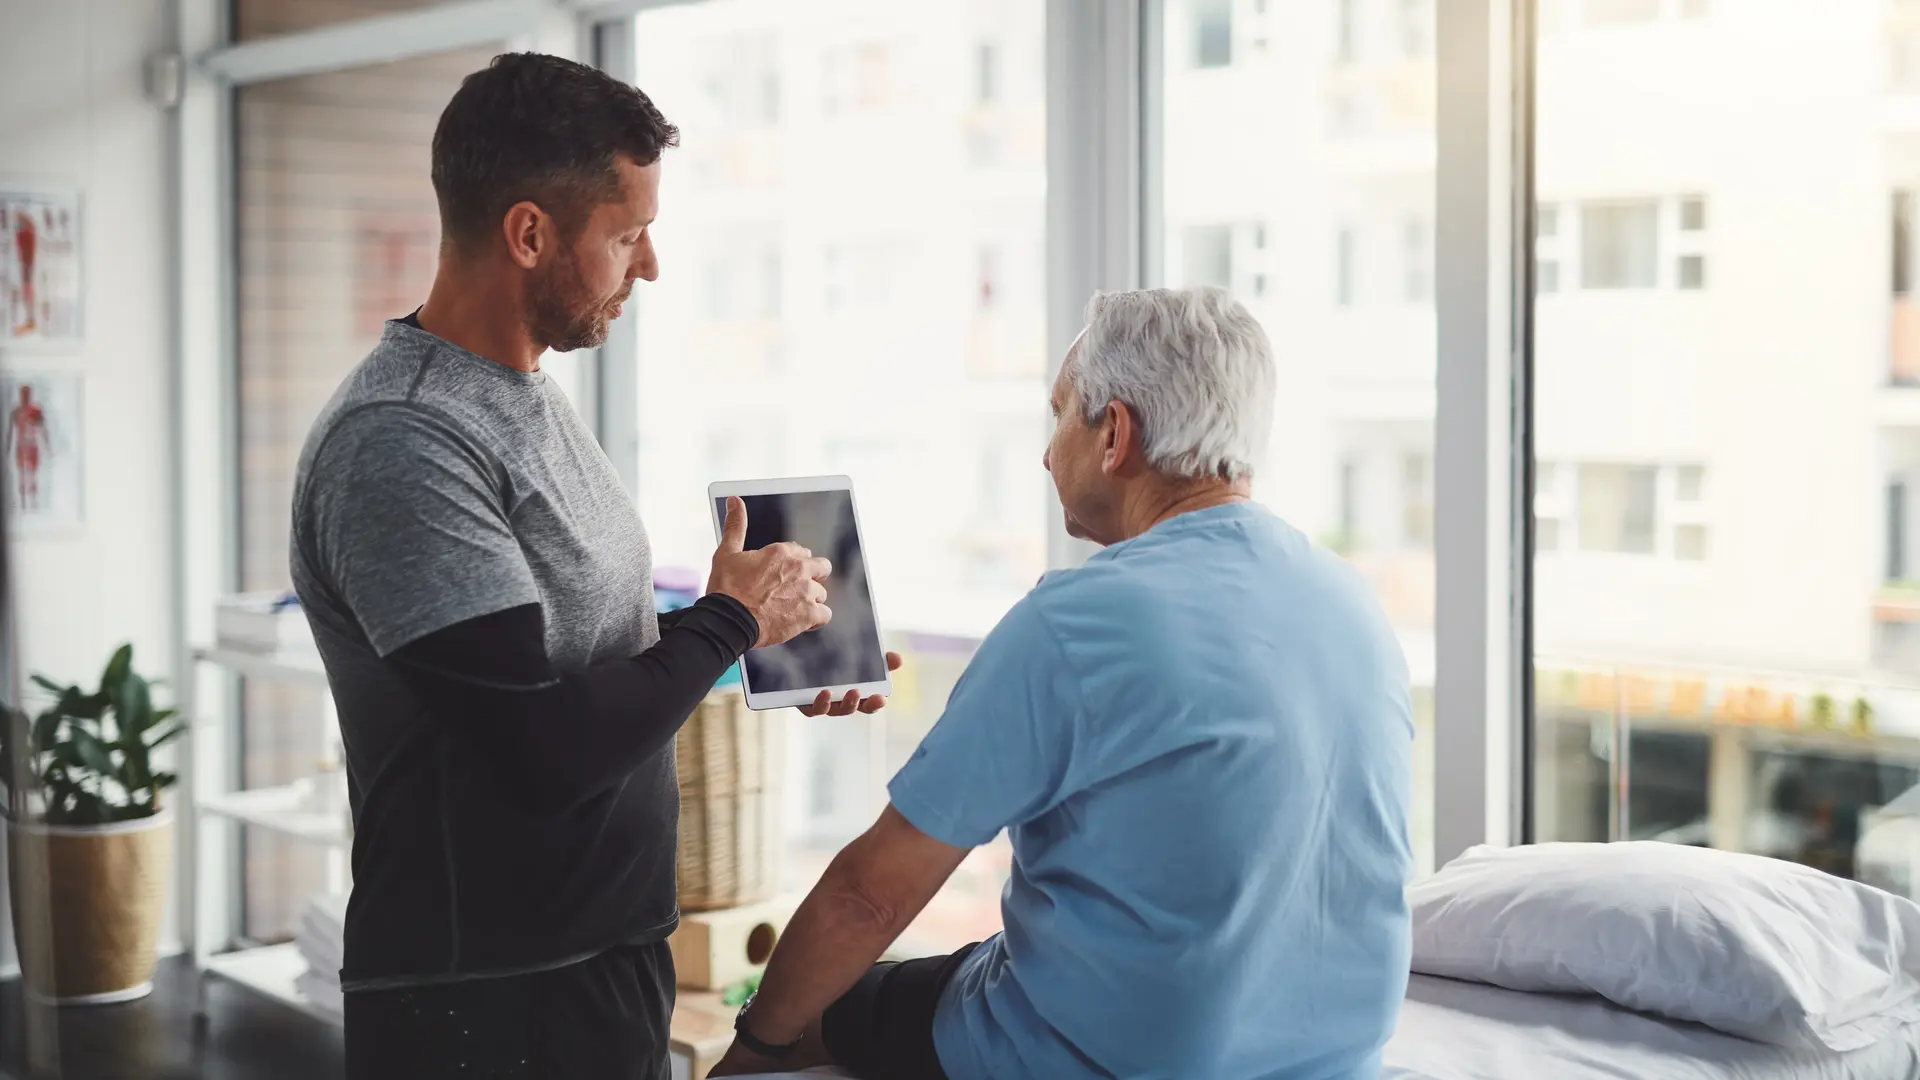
<point x="1770" y="950"/>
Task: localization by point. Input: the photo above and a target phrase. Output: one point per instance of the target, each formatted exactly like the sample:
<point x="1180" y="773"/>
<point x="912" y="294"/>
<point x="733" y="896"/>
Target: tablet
<point x="816" y="512"/>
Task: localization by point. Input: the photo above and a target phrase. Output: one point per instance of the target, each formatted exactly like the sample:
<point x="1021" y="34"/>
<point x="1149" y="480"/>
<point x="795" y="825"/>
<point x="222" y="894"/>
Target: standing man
<point x="481" y="592"/>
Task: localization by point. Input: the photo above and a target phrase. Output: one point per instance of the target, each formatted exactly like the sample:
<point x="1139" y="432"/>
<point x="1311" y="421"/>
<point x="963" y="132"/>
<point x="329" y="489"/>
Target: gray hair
<point x="1193" y="365"/>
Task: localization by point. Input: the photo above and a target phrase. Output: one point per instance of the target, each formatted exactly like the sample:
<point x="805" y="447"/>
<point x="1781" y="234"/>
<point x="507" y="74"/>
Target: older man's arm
<point x="870" y="893"/>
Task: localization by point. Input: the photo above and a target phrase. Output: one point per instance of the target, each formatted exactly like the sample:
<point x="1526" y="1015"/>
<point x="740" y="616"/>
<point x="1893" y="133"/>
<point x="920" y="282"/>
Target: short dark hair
<point x="542" y="129"/>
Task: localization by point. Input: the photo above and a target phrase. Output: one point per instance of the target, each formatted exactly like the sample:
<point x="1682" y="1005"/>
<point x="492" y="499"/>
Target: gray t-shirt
<point x="437" y="487"/>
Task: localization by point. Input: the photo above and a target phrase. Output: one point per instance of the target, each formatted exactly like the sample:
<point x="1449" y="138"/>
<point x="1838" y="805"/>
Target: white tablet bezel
<point x="784" y="699"/>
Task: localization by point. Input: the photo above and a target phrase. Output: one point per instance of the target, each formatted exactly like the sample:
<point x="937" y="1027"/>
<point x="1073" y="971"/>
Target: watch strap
<point x="776" y="1051"/>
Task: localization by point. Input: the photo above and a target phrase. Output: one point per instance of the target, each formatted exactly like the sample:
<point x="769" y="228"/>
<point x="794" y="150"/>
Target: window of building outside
<point x="1207" y="252"/>
<point x="1720" y="658"/>
<point x="1211" y="27"/>
<point x="1417" y="252"/>
<point x="337" y="232"/>
<point x="1354" y="411"/>
<point x="1346" y="31"/>
<point x="906" y="345"/>
<point x="1616" y="508"/>
<point x="1619" y="244"/>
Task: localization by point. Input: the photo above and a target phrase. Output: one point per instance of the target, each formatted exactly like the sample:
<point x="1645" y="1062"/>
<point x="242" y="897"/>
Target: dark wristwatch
<point x="776" y="1051"/>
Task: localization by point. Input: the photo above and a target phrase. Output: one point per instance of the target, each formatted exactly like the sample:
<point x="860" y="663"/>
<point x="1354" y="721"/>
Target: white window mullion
<point x="1484" y="190"/>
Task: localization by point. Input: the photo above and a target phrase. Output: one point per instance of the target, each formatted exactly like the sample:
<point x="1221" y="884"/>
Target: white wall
<point x="76" y="116"/>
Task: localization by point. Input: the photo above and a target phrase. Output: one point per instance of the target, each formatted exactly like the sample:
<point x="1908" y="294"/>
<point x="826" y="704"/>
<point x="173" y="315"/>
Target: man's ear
<point x="1120" y="440"/>
<point x="529" y="233"/>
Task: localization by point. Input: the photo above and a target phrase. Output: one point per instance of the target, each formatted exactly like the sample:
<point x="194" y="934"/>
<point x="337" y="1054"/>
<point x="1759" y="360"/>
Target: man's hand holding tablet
<point x="784" y="586"/>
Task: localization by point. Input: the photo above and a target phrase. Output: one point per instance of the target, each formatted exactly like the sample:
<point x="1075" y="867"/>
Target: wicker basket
<point x="728" y="758"/>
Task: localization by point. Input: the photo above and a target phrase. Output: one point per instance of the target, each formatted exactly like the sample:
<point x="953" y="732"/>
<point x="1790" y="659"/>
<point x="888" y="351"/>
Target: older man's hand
<point x="824" y="705"/>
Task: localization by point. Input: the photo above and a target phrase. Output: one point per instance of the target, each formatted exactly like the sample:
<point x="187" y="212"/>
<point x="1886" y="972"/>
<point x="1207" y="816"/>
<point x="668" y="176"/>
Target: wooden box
<point x="701" y="1031"/>
<point x="713" y="950"/>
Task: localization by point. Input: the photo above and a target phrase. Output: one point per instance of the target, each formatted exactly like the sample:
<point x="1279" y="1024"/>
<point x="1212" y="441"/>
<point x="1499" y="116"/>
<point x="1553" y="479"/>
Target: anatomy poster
<point x="43" y="441"/>
<point x="40" y="280"/>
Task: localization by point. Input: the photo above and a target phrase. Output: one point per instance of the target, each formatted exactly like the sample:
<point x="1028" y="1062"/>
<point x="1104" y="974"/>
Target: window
<point x="1619" y="245"/>
<point x="1344" y="258"/>
<point x="1693" y="214"/>
<point x="1645" y="510"/>
<point x="1317" y="229"/>
<point x="1547" y="249"/>
<point x="1416" y="29"/>
<point x="1346" y="49"/>
<point x="1212" y="23"/>
<point x="1903" y="245"/>
<point x="859" y="76"/>
<point x="742" y="80"/>
<point x="915" y="292"/>
<point x="1418" y="252"/>
<point x="1616" y="508"/>
<point x="1738" y="439"/>
<point x="1549" y="508"/>
<point x="376" y="263"/>
<point x="1416" y="498"/>
<point x="1208" y="255"/>
<point x="1693" y="272"/>
<point x="1348" y="531"/>
<point x="1689" y="243"/>
<point x="1896" y="531"/>
<point x="986" y="73"/>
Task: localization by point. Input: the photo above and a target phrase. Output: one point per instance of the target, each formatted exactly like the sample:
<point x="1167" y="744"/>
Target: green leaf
<point x="82" y="706"/>
<point x="167" y="736"/>
<point x="44" y="731"/>
<point x="164" y="780"/>
<point x="92" y="752"/>
<point x="117" y="669"/>
<point x="133" y="710"/>
<point x="52" y="687"/>
<point x="87" y="809"/>
<point x="132" y="811"/>
<point x="135" y="774"/>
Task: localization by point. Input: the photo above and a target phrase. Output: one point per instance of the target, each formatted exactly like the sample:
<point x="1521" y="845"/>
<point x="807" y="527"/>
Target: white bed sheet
<point x="1451" y="1030"/>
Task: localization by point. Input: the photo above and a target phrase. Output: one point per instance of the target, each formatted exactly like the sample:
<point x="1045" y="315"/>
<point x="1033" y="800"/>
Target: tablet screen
<point x="845" y="651"/>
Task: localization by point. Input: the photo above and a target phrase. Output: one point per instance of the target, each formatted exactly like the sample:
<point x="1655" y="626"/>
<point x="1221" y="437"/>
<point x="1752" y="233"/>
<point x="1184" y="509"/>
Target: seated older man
<point x="1199" y="743"/>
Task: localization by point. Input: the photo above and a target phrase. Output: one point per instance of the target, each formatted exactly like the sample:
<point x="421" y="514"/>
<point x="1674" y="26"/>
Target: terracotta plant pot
<point x="87" y="904"/>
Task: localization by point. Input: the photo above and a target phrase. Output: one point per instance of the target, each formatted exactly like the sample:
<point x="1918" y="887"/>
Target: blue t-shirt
<point x="1200" y="742"/>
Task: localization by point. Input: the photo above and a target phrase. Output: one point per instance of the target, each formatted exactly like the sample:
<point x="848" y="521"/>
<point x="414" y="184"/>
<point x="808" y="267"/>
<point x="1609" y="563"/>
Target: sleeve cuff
<point x="730" y="618"/>
<point x="934" y="823"/>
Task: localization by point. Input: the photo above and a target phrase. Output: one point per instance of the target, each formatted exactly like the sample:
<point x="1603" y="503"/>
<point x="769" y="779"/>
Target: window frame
<point x="1104" y="102"/>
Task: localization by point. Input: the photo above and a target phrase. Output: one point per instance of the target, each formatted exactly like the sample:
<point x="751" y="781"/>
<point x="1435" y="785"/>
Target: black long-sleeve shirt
<point x="557" y="739"/>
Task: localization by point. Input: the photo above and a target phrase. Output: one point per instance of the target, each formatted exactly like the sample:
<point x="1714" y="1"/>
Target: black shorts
<point x="882" y="1029"/>
<point x="604" y="1018"/>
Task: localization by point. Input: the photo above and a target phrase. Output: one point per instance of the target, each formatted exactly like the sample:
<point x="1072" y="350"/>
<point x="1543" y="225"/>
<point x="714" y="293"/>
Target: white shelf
<point x="270" y="970"/>
<point x="293" y="667"/>
<point x="279" y="809"/>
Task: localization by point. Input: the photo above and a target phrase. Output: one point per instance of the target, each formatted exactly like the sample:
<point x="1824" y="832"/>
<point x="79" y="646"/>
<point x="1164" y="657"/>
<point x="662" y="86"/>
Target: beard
<point x="565" y="315"/>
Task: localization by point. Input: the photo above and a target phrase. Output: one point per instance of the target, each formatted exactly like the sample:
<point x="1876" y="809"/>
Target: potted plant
<point x="90" y="840"/>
